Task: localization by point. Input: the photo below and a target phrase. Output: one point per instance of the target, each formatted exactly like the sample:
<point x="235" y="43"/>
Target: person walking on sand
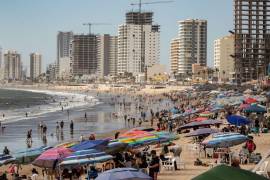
<point x="85" y="116"/>
<point x="71" y="125"/>
<point x="6" y="151"/>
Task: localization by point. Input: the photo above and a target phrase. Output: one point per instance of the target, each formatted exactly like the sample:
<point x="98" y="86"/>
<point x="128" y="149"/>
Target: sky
<point x="32" y="25"/>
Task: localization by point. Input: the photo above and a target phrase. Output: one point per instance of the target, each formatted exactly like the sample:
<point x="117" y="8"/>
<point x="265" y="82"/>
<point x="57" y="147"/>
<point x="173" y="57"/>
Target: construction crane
<point x="148" y="3"/>
<point x="93" y="24"/>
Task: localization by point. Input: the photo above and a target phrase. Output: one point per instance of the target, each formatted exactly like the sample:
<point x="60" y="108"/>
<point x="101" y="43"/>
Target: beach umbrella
<point x="29" y="155"/>
<point x="202" y="132"/>
<point x="6" y="158"/>
<point x="200" y="119"/>
<point x="175" y="110"/>
<point x="91" y="144"/>
<point x="123" y="174"/>
<point x="243" y="106"/>
<point x="201" y="123"/>
<point x="223" y="172"/>
<point x="92" y="157"/>
<point x="68" y="144"/>
<point x="224" y="140"/>
<point x="115" y="147"/>
<point x="51" y="157"/>
<point x="206" y="114"/>
<point x="237" y="120"/>
<point x="250" y="100"/>
<point x="255" y="109"/>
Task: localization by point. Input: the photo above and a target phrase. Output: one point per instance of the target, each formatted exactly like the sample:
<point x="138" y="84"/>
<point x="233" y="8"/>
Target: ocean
<point x="26" y="109"/>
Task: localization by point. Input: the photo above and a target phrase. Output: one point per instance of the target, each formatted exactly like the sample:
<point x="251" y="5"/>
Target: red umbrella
<point x="250" y="100"/>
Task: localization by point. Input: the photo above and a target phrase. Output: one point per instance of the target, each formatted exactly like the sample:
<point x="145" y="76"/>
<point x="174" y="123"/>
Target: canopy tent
<point x="237" y="120"/>
<point x="91" y="144"/>
<point x="223" y="172"/>
<point x="202" y="132"/>
<point x="51" y="157"/>
<point x="123" y="174"/>
<point x="224" y="140"/>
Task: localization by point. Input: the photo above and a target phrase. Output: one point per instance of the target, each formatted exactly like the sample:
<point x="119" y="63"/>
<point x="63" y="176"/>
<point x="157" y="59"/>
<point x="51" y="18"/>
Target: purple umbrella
<point x="201" y="132"/>
<point x="201" y="123"/>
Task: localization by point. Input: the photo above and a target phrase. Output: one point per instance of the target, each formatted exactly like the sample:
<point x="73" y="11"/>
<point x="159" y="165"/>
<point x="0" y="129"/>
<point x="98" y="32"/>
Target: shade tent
<point x="51" y="157"/>
<point x="224" y="140"/>
<point x="202" y="132"/>
<point x="237" y="120"/>
<point x="123" y="174"/>
<point x="255" y="109"/>
<point x="91" y="144"/>
<point x="202" y="123"/>
<point x="223" y="172"/>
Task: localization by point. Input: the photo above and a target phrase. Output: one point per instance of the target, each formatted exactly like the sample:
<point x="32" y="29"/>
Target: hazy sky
<point x="31" y="25"/>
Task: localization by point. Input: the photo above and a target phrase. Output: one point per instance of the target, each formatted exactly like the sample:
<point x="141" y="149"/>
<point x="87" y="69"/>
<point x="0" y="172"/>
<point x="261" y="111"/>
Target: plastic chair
<point x="168" y="165"/>
<point x="180" y="164"/>
<point x="263" y="170"/>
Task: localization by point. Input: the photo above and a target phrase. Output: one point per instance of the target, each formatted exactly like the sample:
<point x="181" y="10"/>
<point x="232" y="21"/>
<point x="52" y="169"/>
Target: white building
<point x="174" y="56"/>
<point x="223" y="60"/>
<point x="63" y="47"/>
<point x="193" y="44"/>
<point x="35" y="65"/>
<point x="12" y="65"/>
<point x="107" y="54"/>
<point x="138" y="43"/>
<point x="64" y="68"/>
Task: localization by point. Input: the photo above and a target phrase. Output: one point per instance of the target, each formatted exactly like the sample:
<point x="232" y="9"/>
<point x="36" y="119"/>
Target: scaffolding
<point x="252" y="39"/>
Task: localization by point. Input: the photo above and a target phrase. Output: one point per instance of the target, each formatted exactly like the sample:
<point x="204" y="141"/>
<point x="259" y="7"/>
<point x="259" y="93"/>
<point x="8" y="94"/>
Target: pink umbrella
<point x="51" y="157"/>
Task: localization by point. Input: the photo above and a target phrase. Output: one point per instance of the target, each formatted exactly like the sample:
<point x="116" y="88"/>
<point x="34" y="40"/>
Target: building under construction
<point x="252" y="39"/>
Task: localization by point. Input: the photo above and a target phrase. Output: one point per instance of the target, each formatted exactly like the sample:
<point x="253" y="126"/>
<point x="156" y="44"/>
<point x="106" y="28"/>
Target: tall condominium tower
<point x="107" y="55"/>
<point x="63" y="49"/>
<point x="138" y="43"/>
<point x="193" y="44"/>
<point x="35" y="65"/>
<point x="223" y="60"/>
<point x="84" y="56"/>
<point x="252" y="38"/>
<point x="174" y="55"/>
<point x="12" y="65"/>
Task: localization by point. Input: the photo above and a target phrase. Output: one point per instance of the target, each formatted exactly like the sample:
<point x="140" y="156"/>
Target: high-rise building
<point x="193" y="44"/>
<point x="1" y="56"/>
<point x="138" y="43"/>
<point x="12" y="65"/>
<point x="35" y="65"/>
<point x="252" y="38"/>
<point x="63" y="48"/>
<point x="84" y="55"/>
<point x="107" y="62"/>
<point x="174" y="55"/>
<point x="223" y="58"/>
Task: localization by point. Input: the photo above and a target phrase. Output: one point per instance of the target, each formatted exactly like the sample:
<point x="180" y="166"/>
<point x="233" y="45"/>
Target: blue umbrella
<point x="6" y="158"/>
<point x="255" y="108"/>
<point x="123" y="174"/>
<point x="201" y="132"/>
<point x="224" y="140"/>
<point x="238" y="120"/>
<point x="91" y="144"/>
